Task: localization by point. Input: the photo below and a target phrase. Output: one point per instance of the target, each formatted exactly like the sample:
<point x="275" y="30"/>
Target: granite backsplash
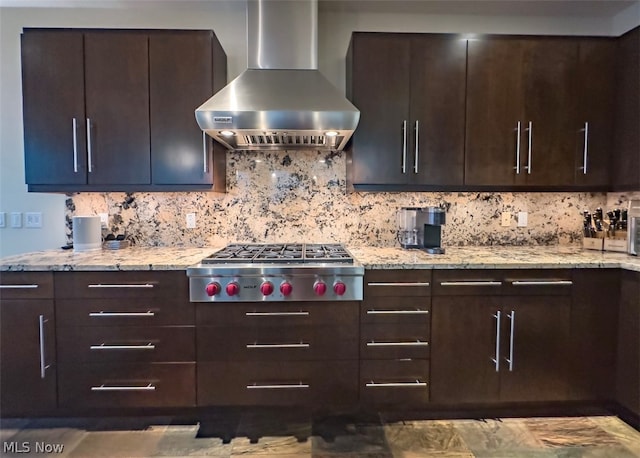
<point x="301" y="196"/>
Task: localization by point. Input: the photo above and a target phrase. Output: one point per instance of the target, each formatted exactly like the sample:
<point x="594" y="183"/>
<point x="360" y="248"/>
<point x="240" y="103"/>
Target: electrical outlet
<point x="506" y="219"/>
<point x="33" y="219"/>
<point x="104" y="219"/>
<point x="523" y="218"/>
<point x="16" y="219"/>
<point x="191" y="220"/>
<point x="3" y="219"/>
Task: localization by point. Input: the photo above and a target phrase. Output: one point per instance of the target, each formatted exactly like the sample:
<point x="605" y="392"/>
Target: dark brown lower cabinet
<point x="628" y="358"/>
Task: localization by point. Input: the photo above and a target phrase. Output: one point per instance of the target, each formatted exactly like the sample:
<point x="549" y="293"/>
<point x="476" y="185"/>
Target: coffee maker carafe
<point x="421" y="227"/>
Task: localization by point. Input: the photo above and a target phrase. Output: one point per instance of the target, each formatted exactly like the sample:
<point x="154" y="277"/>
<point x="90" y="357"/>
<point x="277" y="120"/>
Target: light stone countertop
<point x="179" y="258"/>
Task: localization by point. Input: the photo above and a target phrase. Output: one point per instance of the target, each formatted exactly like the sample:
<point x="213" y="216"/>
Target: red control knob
<point x="213" y="289"/>
<point x="266" y="288"/>
<point x="339" y="288"/>
<point x="233" y="289"/>
<point x="320" y="288"/>
<point x="285" y="288"/>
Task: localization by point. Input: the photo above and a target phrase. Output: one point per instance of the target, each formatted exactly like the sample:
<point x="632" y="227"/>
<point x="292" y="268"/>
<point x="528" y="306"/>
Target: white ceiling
<point x="605" y="9"/>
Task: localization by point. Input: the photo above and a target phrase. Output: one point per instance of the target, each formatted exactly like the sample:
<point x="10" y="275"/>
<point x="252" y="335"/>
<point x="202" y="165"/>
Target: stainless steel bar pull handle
<point x="398" y="284"/>
<point x="43" y="365"/>
<point x="103" y="387"/>
<point x="33" y="286"/>
<point x="288" y="345"/>
<point x="417" y="149"/>
<point x="530" y="130"/>
<point x="282" y="386"/>
<point x="75" y="145"/>
<point x="205" y="168"/>
<point x="115" y="285"/>
<point x="300" y="313"/>
<point x="404" y="146"/>
<point x="471" y="283"/>
<point x="104" y="346"/>
<point x="496" y="360"/>
<point x="585" y="150"/>
<point x="541" y="282"/>
<point x="121" y="314"/>
<point x="89" y="151"/>
<point x="518" y="131"/>
<point x="416" y="384"/>
<point x="398" y="312"/>
<point x="512" y="318"/>
<point x="416" y="343"/>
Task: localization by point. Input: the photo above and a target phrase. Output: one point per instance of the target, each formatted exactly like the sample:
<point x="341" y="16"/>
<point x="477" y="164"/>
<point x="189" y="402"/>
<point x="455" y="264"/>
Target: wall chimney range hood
<point x="281" y="102"/>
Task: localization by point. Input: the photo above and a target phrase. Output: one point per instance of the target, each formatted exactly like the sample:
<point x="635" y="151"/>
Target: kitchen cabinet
<point x="27" y="344"/>
<point x="626" y="152"/>
<point x="106" y="110"/>
<point x="125" y="339"/>
<point x="500" y="336"/>
<point x="410" y="90"/>
<point x="395" y="338"/>
<point x="594" y="329"/>
<point x="628" y="357"/>
<point x="290" y="353"/>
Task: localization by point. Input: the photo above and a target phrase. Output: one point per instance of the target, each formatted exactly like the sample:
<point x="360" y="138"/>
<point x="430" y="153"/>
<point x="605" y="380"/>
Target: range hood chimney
<point x="281" y="101"/>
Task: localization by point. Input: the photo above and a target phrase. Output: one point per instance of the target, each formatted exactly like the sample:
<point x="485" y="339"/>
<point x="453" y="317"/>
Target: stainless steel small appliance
<point x="277" y="272"/>
<point x="633" y="230"/>
<point x="421" y="227"/>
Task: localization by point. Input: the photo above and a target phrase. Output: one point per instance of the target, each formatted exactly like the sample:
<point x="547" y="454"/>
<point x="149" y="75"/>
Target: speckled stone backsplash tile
<point x="300" y="196"/>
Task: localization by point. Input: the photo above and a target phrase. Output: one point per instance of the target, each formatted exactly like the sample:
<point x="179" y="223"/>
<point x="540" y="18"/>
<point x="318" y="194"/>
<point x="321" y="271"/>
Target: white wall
<point x="227" y="18"/>
<point x="627" y="19"/>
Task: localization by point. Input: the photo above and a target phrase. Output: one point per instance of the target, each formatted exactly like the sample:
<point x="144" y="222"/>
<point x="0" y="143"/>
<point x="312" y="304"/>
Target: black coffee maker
<point x="421" y="227"/>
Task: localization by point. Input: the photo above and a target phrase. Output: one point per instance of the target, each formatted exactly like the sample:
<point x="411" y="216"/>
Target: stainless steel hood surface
<point x="282" y="101"/>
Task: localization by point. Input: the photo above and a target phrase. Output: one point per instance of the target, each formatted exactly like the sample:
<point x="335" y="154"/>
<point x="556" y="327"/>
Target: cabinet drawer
<point x="396" y="310"/>
<point x="126" y="344"/>
<point x="402" y="282"/>
<point x="126" y="385"/>
<point x="467" y="282"/>
<point x="124" y="312"/>
<point x="278" y="383"/>
<point x="394" y="382"/>
<point x="552" y="282"/>
<point x="282" y="314"/>
<point x="151" y="284"/>
<point x="26" y="285"/>
<point x="301" y="343"/>
<point x="395" y="340"/>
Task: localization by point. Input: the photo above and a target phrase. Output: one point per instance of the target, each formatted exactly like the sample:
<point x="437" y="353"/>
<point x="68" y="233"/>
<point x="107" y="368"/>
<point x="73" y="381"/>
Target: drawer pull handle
<point x="120" y="314"/>
<point x="398" y="284"/>
<point x="398" y="312"/>
<point x="18" y="286"/>
<point x="416" y="384"/>
<point x="298" y="385"/>
<point x="471" y="283"/>
<point x="115" y="285"/>
<point x="300" y="313"/>
<point x="417" y="343"/>
<point x="148" y="387"/>
<point x="43" y="365"/>
<point x="289" y="345"/>
<point x="541" y="282"/>
<point x="103" y="346"/>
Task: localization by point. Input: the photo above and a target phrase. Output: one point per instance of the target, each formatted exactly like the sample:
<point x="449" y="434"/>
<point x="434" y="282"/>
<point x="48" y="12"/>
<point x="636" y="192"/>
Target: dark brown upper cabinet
<point x="410" y="90"/>
<point x="626" y="152"/>
<point x="113" y="110"/>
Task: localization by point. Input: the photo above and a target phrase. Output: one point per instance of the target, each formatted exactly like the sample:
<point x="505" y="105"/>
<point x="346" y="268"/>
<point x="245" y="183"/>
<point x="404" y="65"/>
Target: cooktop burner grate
<point x="278" y="253"/>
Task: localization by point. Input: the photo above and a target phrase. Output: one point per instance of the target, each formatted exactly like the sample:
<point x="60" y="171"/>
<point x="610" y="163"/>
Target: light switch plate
<point x="16" y="219"/>
<point x="523" y="219"/>
<point x="506" y="219"/>
<point x="33" y="219"/>
<point x="191" y="220"/>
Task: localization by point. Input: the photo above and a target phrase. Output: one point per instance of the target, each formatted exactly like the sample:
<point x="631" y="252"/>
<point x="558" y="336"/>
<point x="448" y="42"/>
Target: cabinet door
<point x="117" y="106"/>
<point x="628" y="361"/>
<point x="27" y="357"/>
<point x="181" y="70"/>
<point x="463" y="333"/>
<point x="549" y="111"/>
<point x="626" y="156"/>
<point x="495" y="76"/>
<point x="438" y="93"/>
<point x="535" y="341"/>
<point x="53" y="107"/>
<point x="380" y="90"/>
<point x="596" y="103"/>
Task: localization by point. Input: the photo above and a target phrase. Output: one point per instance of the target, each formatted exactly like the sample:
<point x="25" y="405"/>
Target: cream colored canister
<point x="87" y="233"/>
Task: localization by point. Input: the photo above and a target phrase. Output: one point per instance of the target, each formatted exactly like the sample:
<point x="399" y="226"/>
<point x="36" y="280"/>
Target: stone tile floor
<point x="291" y="435"/>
